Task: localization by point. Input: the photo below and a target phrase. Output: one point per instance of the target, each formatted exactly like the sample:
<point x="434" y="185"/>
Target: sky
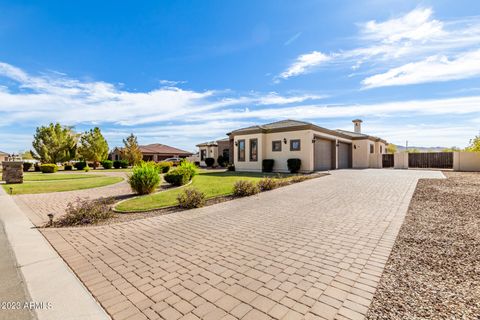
<point x="184" y="72"/>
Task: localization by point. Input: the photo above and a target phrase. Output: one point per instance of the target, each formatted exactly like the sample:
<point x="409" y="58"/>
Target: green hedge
<point x="178" y="176"/>
<point x="48" y="168"/>
<point x="107" y="164"/>
<point x="80" y="165"/>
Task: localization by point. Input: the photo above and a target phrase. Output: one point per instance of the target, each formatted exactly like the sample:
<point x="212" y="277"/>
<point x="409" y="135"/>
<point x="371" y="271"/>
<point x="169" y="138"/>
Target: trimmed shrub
<point x="294" y="165"/>
<point x="124" y="164"/>
<point x="267" y="165"/>
<point x="27" y="166"/>
<point x="190" y="167"/>
<point x="244" y="188"/>
<point x="197" y="163"/>
<point x="85" y="211"/>
<point x="231" y="167"/>
<point x="48" y="168"/>
<point x="266" y="184"/>
<point x="178" y="176"/>
<point x="164" y="166"/>
<point x="36" y="167"/>
<point x="117" y="164"/>
<point x="144" y="178"/>
<point x="191" y="198"/>
<point x="222" y="161"/>
<point x="80" y="165"/>
<point x="209" y="162"/>
<point x="107" y="164"/>
<point x="86" y="169"/>
<point x="68" y="167"/>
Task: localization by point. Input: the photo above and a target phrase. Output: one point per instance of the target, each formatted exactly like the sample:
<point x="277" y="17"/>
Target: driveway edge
<point x="47" y="277"/>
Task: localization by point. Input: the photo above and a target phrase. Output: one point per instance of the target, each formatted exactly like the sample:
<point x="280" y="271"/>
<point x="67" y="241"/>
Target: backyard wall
<point x="400" y="160"/>
<point x="466" y="161"/>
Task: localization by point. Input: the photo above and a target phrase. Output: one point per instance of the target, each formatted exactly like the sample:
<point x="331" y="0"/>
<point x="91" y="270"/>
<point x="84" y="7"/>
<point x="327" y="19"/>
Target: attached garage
<point x="344" y="155"/>
<point x="324" y="154"/>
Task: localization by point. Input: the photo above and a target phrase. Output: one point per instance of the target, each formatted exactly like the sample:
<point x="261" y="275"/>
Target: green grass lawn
<point x="213" y="184"/>
<point x="54" y="182"/>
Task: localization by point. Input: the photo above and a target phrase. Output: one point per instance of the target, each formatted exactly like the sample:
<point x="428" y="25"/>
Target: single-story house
<point x="153" y="152"/>
<point x="318" y="148"/>
<point x="3" y="157"/>
<point x="213" y="149"/>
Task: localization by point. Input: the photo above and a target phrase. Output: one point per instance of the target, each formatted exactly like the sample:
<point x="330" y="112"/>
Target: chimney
<point x="357" y="125"/>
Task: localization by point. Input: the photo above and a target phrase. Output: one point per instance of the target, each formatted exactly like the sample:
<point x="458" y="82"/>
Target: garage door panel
<point x="344" y="155"/>
<point x="323" y="154"/>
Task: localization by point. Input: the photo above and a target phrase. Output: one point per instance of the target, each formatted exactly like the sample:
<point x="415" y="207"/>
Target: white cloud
<point x="304" y="63"/>
<point x="434" y="68"/>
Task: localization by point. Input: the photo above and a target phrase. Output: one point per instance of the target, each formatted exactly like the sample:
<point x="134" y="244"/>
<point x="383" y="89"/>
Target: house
<point x="318" y="148"/>
<point x="3" y="157"/>
<point x="213" y="149"/>
<point x="154" y="152"/>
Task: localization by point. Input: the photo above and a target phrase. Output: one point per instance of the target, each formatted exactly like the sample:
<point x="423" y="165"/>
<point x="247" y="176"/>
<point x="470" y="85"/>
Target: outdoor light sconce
<point x="285" y="140"/>
<point x="313" y="140"/>
<point x="236" y="143"/>
<point x="355" y="146"/>
<point x="338" y="144"/>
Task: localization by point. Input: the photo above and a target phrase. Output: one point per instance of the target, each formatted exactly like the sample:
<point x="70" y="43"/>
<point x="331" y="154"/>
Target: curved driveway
<point x="313" y="250"/>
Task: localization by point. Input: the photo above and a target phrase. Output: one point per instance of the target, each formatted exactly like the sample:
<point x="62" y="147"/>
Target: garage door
<point x="323" y="154"/>
<point x="344" y="155"/>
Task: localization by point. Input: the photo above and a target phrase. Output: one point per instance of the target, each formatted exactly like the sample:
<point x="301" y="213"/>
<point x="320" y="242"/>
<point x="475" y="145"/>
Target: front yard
<point x="434" y="269"/>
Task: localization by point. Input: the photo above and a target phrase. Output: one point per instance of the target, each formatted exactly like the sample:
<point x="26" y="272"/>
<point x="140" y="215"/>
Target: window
<point x="203" y="154"/>
<point x="253" y="149"/>
<point x="226" y="155"/>
<point x="241" y="150"/>
<point x="372" y="148"/>
<point x="295" y="145"/>
<point x="277" y="145"/>
<point x="381" y="149"/>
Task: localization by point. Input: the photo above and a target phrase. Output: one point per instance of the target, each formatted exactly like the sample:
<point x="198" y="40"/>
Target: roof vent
<point x="357" y="125"/>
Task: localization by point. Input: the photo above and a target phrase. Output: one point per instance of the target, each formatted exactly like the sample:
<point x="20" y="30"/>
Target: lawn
<point x="55" y="182"/>
<point x="213" y="184"/>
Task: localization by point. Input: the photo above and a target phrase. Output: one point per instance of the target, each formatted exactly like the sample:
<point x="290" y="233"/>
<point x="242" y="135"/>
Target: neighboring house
<point x="213" y="149"/>
<point x="154" y="152"/>
<point x="318" y="148"/>
<point x="3" y="157"/>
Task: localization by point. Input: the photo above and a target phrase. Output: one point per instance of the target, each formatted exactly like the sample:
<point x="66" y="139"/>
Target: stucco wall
<point x="247" y="165"/>
<point x="211" y="152"/>
<point x="400" y="160"/>
<point x="360" y="154"/>
<point x="466" y="161"/>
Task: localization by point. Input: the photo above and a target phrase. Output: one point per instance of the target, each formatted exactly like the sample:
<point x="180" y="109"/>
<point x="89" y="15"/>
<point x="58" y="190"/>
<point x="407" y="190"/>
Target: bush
<point x="244" y="188"/>
<point x="178" y="176"/>
<point x="267" y="165"/>
<point x="36" y="167"/>
<point x="190" y="167"/>
<point x="107" y="164"/>
<point x="294" y="165"/>
<point x="209" y="162"/>
<point x="68" y="167"/>
<point x="191" y="198"/>
<point x="164" y="166"/>
<point x="80" y="165"/>
<point x="231" y="167"/>
<point x="266" y="184"/>
<point x="86" y="169"/>
<point x="27" y="166"/>
<point x="85" y="211"/>
<point x="301" y="178"/>
<point x="144" y="178"/>
<point x="222" y="161"/>
<point x="197" y="163"/>
<point x="48" y="168"/>
<point x="117" y="164"/>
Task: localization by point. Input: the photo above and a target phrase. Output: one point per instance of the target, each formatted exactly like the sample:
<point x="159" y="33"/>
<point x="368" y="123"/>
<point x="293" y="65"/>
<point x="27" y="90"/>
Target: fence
<point x="440" y="160"/>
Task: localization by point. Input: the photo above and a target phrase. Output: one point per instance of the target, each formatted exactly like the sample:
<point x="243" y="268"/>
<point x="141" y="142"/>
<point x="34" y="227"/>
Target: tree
<point x="93" y="146"/>
<point x="474" y="145"/>
<point x="391" y="148"/>
<point x="131" y="151"/>
<point x="54" y="143"/>
<point x="452" y="149"/>
<point x="26" y="155"/>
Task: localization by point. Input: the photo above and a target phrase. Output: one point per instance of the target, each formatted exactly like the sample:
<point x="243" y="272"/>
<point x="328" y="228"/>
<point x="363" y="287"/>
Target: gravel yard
<point x="434" y="269"/>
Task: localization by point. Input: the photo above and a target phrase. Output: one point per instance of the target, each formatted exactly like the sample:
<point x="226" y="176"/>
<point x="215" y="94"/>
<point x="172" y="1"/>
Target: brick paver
<point x="313" y="250"/>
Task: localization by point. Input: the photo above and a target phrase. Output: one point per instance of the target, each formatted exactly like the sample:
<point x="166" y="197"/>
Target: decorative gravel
<point x="434" y="269"/>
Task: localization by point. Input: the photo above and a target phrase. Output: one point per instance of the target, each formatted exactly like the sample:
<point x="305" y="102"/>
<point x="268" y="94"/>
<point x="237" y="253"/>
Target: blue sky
<point x="183" y="72"/>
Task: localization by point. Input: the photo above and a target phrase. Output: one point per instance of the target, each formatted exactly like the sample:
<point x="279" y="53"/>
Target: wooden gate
<point x="440" y="160"/>
<point x="387" y="160"/>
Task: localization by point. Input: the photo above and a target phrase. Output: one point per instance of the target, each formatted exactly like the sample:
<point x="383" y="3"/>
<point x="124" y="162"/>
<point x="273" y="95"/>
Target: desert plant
<point x="294" y="165"/>
<point x="178" y="176"/>
<point x="107" y="164"/>
<point x="48" y="168"/>
<point x="209" y="162"/>
<point x="144" y="178"/>
<point x="244" y="188"/>
<point x="164" y="166"/>
<point x="67" y="167"/>
<point x="191" y="198"/>
<point x="190" y="167"/>
<point x="266" y="184"/>
<point x="84" y="211"/>
<point x="80" y="165"/>
<point x="231" y="167"/>
<point x="267" y="165"/>
<point x="27" y="166"/>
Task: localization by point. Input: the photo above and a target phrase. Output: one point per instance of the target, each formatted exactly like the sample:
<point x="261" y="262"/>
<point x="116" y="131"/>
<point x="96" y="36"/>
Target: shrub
<point x="117" y="164"/>
<point x="86" y="169"/>
<point x="197" y="163"/>
<point x="36" y="167"/>
<point x="27" y="166"/>
<point x="231" y="167"/>
<point x="266" y="184"/>
<point x="144" y="178"/>
<point x="243" y="188"/>
<point x="294" y="165"/>
<point x="178" y="176"/>
<point x="190" y="167"/>
<point x="164" y="166"/>
<point x="267" y="165"/>
<point x="48" y="168"/>
<point x="300" y="178"/>
<point x="107" y="164"/>
<point x="68" y="167"/>
<point x="222" y="161"/>
<point x="191" y="198"/>
<point x="80" y="165"/>
<point x="85" y="211"/>
<point x="209" y="162"/>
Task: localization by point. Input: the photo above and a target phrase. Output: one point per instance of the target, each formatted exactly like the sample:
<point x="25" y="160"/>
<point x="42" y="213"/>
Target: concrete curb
<point x="47" y="277"/>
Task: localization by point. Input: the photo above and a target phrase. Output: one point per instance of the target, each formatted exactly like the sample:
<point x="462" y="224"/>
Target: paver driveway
<point x="310" y="250"/>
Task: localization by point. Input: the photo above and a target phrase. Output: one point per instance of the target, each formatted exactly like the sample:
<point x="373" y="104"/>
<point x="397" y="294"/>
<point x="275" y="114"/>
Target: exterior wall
<point x="223" y="145"/>
<point x="400" y="160"/>
<point x="247" y="165"/>
<point x="361" y="154"/>
<point x="466" y="161"/>
<point x="210" y="152"/>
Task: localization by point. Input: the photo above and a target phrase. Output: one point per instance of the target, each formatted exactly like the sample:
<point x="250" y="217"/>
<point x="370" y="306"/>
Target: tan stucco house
<point x="153" y="152"/>
<point x="318" y="148"/>
<point x="213" y="149"/>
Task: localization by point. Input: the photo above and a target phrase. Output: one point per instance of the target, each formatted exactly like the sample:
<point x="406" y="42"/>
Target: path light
<point x="50" y="217"/>
<point x="11" y="190"/>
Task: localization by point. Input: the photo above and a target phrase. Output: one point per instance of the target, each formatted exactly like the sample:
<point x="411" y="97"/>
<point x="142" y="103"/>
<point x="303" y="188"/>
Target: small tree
<point x="452" y="149"/>
<point x="131" y="151"/>
<point x="54" y="143"/>
<point x="93" y="146"/>
<point x="392" y="148"/>
<point x="474" y="145"/>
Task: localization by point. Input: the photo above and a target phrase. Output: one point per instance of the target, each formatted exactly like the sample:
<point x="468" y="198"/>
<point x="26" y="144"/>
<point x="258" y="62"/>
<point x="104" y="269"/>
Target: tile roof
<point x="162" y="149"/>
<point x="276" y="125"/>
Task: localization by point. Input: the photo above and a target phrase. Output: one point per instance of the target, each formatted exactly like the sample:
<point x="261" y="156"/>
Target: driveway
<point x="313" y="250"/>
